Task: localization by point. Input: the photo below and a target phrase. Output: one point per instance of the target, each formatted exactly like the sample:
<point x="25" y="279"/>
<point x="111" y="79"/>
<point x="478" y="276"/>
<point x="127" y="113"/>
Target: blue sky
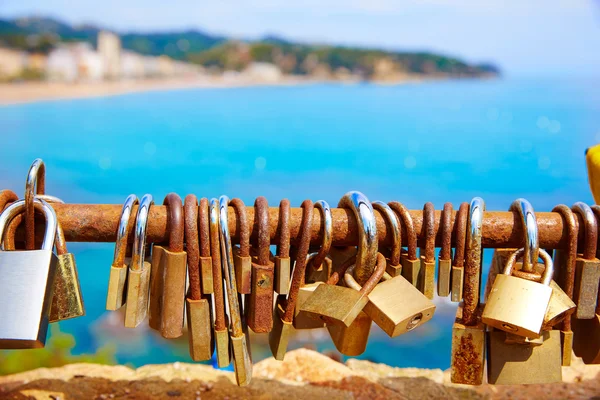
<point x="532" y="37"/>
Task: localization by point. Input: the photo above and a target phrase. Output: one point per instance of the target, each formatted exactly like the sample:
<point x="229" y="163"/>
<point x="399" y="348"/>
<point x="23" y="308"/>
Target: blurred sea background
<point x="416" y="142"/>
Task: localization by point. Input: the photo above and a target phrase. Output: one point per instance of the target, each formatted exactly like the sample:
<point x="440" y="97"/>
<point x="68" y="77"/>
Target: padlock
<point x="411" y="264"/>
<point x="445" y="254"/>
<point x="67" y="301"/>
<point x="24" y="311"/>
<point x="394" y="304"/>
<point x="426" y="279"/>
<point x="238" y="337"/>
<point x="587" y="266"/>
<point x="394" y="267"/>
<point x="117" y="282"/>
<point x="513" y="363"/>
<point x="468" y="332"/>
<point x="138" y="280"/>
<point x="241" y="253"/>
<point x="282" y="258"/>
<point x="518" y="305"/>
<point x="206" y="273"/>
<point x="458" y="270"/>
<point x="198" y="306"/>
<point x="167" y="284"/>
<point x="220" y="323"/>
<point x="499" y="260"/>
<point x="259" y="303"/>
<point x="283" y="313"/>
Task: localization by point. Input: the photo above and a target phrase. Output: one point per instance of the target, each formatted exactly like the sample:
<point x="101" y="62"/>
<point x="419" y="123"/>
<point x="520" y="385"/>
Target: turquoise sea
<point x="439" y="141"/>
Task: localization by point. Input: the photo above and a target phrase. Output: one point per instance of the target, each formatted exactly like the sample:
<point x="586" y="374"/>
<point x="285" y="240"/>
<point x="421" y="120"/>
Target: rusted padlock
<point x="220" y="323"/>
<point x="426" y="279"/>
<point x="282" y="259"/>
<point x="198" y="307"/>
<point x="259" y="303"/>
<point x="283" y="313"/>
<point x="468" y="332"/>
<point x="241" y="253"/>
<point x="206" y="275"/>
<point x="394" y="267"/>
<point x="458" y="270"/>
<point x="169" y="270"/>
<point x="587" y="266"/>
<point x="445" y="255"/>
<point x="411" y="265"/>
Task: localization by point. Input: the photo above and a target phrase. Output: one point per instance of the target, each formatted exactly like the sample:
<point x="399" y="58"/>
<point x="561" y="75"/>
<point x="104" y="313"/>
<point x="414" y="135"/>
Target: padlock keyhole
<point x="413" y="323"/>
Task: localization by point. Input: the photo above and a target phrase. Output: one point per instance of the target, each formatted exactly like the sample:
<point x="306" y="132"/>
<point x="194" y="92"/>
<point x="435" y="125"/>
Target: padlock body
<point x="319" y="273"/>
<point x="352" y="340"/>
<point x="458" y="276"/>
<point x="398" y="307"/>
<point x="259" y="308"/>
<point x="559" y="304"/>
<point x="67" y="301"/>
<point x="242" y="364"/>
<point x="587" y="278"/>
<point x="222" y="347"/>
<point x="517" y="305"/>
<point x="586" y="343"/>
<point x="426" y="279"/>
<point x="117" y="286"/>
<point x="243" y="271"/>
<point x="468" y="351"/>
<point x="172" y="304"/>
<point x="26" y="289"/>
<point x="512" y="364"/>
<point x="138" y="288"/>
<point x="157" y="281"/>
<point x="301" y="319"/>
<point x="335" y="305"/>
<point x="206" y="274"/>
<point x="279" y="336"/>
<point x="282" y="275"/>
<point x="410" y="269"/>
<point x="200" y="336"/>
<point x="444" y="277"/>
<point x="566" y="338"/>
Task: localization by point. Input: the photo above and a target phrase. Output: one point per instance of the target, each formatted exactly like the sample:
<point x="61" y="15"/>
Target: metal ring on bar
<point x="528" y="220"/>
<point x="391" y="217"/>
<point x="325" y="210"/>
<point x="17" y="207"/>
<point x="366" y="255"/>
<point x="139" y="240"/>
<point x="473" y="261"/>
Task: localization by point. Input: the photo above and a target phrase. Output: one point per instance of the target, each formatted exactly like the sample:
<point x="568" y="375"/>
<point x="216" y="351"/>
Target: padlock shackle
<point x="429" y="232"/>
<point x="407" y="222"/>
<point x="366" y="256"/>
<point x="283" y="246"/>
<point x="139" y="238"/>
<point x="35" y="184"/>
<point x="203" y="218"/>
<point x="123" y="231"/>
<point x="174" y="221"/>
<point x="192" y="247"/>
<point x="261" y="220"/>
<point x="240" y="210"/>
<point x="371" y="282"/>
<point x="19" y="206"/>
<point x="591" y="229"/>
<point x="391" y="220"/>
<point x="446" y="228"/>
<point x="215" y="253"/>
<point x="460" y="231"/>
<point x="531" y="243"/>
<point x="327" y="223"/>
<point x="473" y="261"/>
<point x="548" y="272"/>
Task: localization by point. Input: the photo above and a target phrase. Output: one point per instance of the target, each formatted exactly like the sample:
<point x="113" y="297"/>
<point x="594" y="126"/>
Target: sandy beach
<point x="27" y="92"/>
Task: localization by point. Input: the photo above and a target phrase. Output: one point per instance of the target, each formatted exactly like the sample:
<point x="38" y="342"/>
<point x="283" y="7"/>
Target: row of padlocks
<point x="197" y="276"/>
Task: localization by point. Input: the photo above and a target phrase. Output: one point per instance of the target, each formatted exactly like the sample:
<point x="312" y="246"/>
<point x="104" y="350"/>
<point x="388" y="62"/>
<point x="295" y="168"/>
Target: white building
<point x="12" y="63"/>
<point x="263" y="72"/>
<point x="109" y="47"/>
<point x="132" y="65"/>
<point x="75" y="62"/>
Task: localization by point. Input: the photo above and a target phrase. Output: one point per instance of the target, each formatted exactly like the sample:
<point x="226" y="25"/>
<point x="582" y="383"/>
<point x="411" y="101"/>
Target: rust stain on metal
<point x="467" y="360"/>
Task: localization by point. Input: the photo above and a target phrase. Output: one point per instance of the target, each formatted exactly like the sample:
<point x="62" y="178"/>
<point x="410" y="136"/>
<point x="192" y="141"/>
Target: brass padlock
<point x="138" y="280"/>
<point x="445" y="254"/>
<point x="241" y="253"/>
<point x="352" y="340"/>
<point x="512" y="363"/>
<point x="198" y="305"/>
<point x="24" y="311"/>
<point x="587" y="266"/>
<point x="282" y="258"/>
<point x="394" y="304"/>
<point x="468" y="332"/>
<point x="220" y="323"/>
<point x="518" y="305"/>
<point x="411" y="265"/>
<point x="168" y="278"/>
<point x="259" y="303"/>
<point x="117" y="282"/>
<point x="206" y="273"/>
<point x="458" y="270"/>
<point x="426" y="279"/>
<point x="394" y="267"/>
<point x="283" y="313"/>
<point x="240" y="343"/>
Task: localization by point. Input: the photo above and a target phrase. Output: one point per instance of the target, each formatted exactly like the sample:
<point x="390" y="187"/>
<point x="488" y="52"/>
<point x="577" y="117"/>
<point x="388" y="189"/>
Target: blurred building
<point x="12" y="63"/>
<point x="109" y="47"/>
<point x="133" y="65"/>
<point x="75" y="62"/>
<point x="263" y="72"/>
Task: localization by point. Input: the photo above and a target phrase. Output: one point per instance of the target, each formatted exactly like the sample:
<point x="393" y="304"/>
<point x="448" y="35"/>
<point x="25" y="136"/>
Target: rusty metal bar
<point x="98" y="223"/>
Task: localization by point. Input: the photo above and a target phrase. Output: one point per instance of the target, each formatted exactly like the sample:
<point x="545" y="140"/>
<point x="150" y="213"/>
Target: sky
<point x="532" y="37"/>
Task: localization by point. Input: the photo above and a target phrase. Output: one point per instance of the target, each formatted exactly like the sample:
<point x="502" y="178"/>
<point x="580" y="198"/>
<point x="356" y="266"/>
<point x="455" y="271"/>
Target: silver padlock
<point x="26" y="284"/>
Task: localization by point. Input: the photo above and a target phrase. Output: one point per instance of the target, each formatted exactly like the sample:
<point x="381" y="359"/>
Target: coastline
<point x="31" y="92"/>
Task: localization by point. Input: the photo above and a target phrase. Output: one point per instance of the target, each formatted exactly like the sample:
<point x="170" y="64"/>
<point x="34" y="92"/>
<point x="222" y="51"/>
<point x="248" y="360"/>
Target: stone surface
<point x="304" y="374"/>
